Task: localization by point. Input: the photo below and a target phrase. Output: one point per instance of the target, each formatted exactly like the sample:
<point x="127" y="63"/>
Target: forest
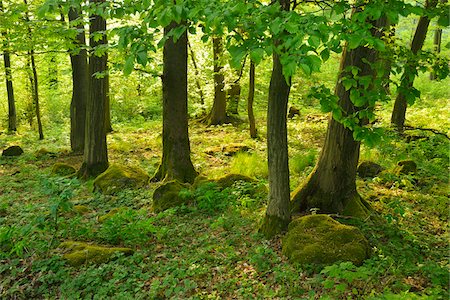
<point x="224" y="149"/>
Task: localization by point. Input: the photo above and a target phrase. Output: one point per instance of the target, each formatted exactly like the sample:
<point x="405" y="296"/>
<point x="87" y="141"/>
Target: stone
<point x="293" y="111"/>
<point x="405" y="167"/>
<point x="44" y="153"/>
<point x="318" y="239"/>
<point x="229" y="179"/>
<point x="369" y="169"/>
<point x="117" y="178"/>
<point x="167" y="195"/>
<point x="63" y="169"/>
<point x="79" y="253"/>
<point x="227" y="150"/>
<point x="12" y="151"/>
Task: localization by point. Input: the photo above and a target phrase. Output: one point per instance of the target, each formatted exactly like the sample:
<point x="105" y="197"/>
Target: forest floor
<point x="211" y="249"/>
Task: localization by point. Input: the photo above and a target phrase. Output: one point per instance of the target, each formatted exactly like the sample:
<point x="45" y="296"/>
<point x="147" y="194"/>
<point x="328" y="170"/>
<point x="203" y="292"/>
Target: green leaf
<point x="356" y="98"/>
<point x="444" y="20"/>
<point x="257" y="54"/>
<point x="325" y="54"/>
<point x="306" y="69"/>
<point x="348" y="83"/>
<point x="354" y="42"/>
<point x="379" y="45"/>
<point x="141" y="58"/>
<point x="314" y="41"/>
<point x="129" y="65"/>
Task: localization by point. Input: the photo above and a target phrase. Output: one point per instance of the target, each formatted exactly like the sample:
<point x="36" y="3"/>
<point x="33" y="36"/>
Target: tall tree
<point x="331" y="187"/>
<point x="176" y="158"/>
<point x="278" y="214"/>
<point x="234" y="94"/>
<point x="250" y="100"/>
<point x="12" y="118"/>
<point x="80" y="83"/>
<point x="410" y="70"/>
<point x="95" y="159"/>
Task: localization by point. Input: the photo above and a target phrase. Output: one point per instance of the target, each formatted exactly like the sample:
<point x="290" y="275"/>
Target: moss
<point x="167" y="196"/>
<point x="318" y="239"/>
<point x="228" y="150"/>
<point x="230" y="179"/>
<point x="81" y="209"/>
<point x="110" y="214"/>
<point x="63" y="169"/>
<point x="273" y="225"/>
<point x="43" y="153"/>
<point x="117" y="178"/>
<point x="12" y="151"/>
<point x="405" y="167"/>
<point x="357" y="207"/>
<point x="79" y="253"/>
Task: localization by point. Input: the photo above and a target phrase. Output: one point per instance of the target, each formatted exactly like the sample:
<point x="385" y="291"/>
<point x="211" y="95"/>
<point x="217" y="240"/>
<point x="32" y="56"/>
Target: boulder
<point x="405" y="167"/>
<point x="44" y="153"/>
<point x="318" y="239"/>
<point x="293" y="111"/>
<point x="369" y="169"/>
<point x="167" y="195"/>
<point x="79" y="253"/>
<point x="12" y="151"/>
<point x="63" y="169"/>
<point x="229" y="179"/>
<point x="117" y="178"/>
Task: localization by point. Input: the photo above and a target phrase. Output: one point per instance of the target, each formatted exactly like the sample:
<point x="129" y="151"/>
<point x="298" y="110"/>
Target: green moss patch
<point x="62" y="169"/>
<point x="117" y="178"/>
<point x="405" y="167"/>
<point x="318" y="239"/>
<point x="79" y="253"/>
<point x="167" y="195"/>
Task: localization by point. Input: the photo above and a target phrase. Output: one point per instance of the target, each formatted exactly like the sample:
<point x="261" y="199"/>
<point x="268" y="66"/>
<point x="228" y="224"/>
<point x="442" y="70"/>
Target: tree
<point x="331" y="187"/>
<point x="250" y="100"/>
<point x="80" y="83"/>
<point x="278" y="215"/>
<point x="95" y="159"/>
<point x="176" y="159"/>
<point x="405" y="90"/>
<point x="234" y="94"/>
<point x="12" y="118"/>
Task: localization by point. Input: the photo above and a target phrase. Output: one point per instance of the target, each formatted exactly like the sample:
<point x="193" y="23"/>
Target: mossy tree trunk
<point x="176" y="159"/>
<point x="410" y="72"/>
<point x="218" y="113"/>
<point x="278" y="215"/>
<point x="250" y="100"/>
<point x="332" y="185"/>
<point x="80" y="85"/>
<point x="234" y="95"/>
<point x="95" y="159"/>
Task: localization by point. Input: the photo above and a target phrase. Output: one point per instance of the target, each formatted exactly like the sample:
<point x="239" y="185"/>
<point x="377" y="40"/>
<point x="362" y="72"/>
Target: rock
<point x="318" y="239"/>
<point x="117" y="178"/>
<point x="228" y="150"/>
<point x="167" y="196"/>
<point x="293" y="111"/>
<point x="79" y="253"/>
<point x="12" y="151"/>
<point x="369" y="169"/>
<point x="63" y="169"/>
<point x="405" y="167"/>
<point x="43" y="153"/>
<point x="230" y="179"/>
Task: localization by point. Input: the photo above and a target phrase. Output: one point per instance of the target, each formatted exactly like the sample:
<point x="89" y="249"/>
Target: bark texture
<point x="95" y="159"/>
<point x="176" y="159"/>
<point x="80" y="86"/>
<point x="332" y="185"/>
<point x="12" y="117"/>
<point x="218" y="114"/>
<point x="410" y="72"/>
<point x="250" y="100"/>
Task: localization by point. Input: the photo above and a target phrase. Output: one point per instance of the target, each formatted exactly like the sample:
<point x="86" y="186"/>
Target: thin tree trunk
<point x="80" y="86"/>
<point x="409" y="74"/>
<point x="250" y="100"/>
<point x="218" y="114"/>
<point x="176" y="159"/>
<point x="234" y="95"/>
<point x="278" y="215"/>
<point x="332" y="185"/>
<point x="437" y="47"/>
<point x="108" y="125"/>
<point x="197" y="74"/>
<point x="95" y="159"/>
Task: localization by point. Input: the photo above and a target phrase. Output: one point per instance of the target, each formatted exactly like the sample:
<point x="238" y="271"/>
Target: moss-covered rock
<point x="117" y="178"/>
<point x="369" y="169"/>
<point x="167" y="195"/>
<point x="405" y="167"/>
<point x="228" y="150"/>
<point x="62" y="169"/>
<point x="318" y="239"/>
<point x="79" y="253"/>
<point x="81" y="209"/>
<point x="357" y="207"/>
<point x="43" y="152"/>
<point x="230" y="179"/>
<point x="110" y="214"/>
<point x="12" y="151"/>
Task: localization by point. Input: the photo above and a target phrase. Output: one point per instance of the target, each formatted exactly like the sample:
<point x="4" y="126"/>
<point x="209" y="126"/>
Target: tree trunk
<point x="234" y="95"/>
<point x="218" y="114"/>
<point x="80" y="86"/>
<point x="108" y="125"/>
<point x="437" y="47"/>
<point x="197" y="74"/>
<point x="95" y="160"/>
<point x="332" y="185"/>
<point x="278" y="215"/>
<point x="409" y="74"/>
<point x="176" y="159"/>
<point x="250" y="100"/>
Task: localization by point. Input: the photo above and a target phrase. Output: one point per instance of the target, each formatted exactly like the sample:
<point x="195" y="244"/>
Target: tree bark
<point x="80" y="86"/>
<point x="437" y="47"/>
<point x="332" y="185"/>
<point x="95" y="159"/>
<point x="176" y="159"/>
<point x="278" y="215"/>
<point x="234" y="95"/>
<point x="409" y="74"/>
<point x="218" y="114"/>
<point x="250" y="100"/>
<point x="197" y="74"/>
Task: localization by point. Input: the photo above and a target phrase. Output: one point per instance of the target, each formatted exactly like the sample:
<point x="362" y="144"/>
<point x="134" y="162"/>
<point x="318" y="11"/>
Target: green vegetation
<point x="122" y="235"/>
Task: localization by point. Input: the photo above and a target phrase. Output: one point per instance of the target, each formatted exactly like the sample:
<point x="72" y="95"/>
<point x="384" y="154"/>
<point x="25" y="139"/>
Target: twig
<point x="435" y="131"/>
